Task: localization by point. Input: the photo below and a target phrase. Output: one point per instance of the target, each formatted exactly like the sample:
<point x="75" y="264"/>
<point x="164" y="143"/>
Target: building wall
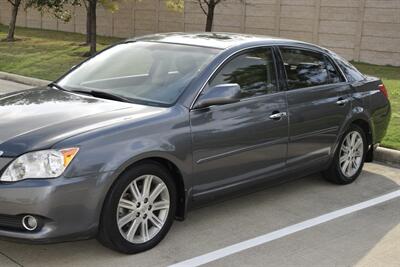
<point x="361" y="30"/>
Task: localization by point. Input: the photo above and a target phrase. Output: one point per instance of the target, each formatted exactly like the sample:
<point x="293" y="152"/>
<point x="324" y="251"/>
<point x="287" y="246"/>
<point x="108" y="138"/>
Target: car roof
<point x="218" y="40"/>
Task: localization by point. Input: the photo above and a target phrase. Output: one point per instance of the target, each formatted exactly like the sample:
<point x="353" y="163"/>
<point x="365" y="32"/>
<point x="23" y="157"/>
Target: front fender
<point x="114" y="149"/>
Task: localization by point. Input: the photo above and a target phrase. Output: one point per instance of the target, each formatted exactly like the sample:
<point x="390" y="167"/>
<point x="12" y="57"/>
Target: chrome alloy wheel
<point x="351" y="154"/>
<point x="143" y="209"/>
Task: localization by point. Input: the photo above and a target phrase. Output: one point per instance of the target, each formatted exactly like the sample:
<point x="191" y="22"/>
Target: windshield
<point x="147" y="72"/>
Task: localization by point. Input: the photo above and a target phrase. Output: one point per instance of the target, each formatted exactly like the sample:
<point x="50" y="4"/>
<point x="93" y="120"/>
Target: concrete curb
<point x="387" y="155"/>
<point x="22" y="79"/>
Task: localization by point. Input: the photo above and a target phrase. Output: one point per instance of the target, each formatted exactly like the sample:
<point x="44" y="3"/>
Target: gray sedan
<point x="134" y="137"/>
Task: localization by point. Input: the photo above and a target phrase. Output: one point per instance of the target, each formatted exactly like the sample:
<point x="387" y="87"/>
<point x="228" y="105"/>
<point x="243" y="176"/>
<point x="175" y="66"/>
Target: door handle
<point x="278" y="115"/>
<point x="342" y="101"/>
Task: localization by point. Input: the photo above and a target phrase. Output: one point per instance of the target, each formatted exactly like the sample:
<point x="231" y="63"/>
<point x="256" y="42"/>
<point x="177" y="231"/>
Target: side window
<point x="351" y="73"/>
<point x="306" y="68"/>
<point x="254" y="71"/>
<point x="334" y="75"/>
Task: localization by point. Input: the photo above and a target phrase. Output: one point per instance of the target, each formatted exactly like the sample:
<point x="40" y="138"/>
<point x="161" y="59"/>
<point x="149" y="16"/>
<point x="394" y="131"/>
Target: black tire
<point x="109" y="234"/>
<point x="334" y="173"/>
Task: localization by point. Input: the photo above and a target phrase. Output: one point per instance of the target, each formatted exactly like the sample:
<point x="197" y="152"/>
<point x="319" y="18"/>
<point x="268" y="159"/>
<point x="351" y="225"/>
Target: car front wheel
<point x="139" y="209"/>
<point x="349" y="157"/>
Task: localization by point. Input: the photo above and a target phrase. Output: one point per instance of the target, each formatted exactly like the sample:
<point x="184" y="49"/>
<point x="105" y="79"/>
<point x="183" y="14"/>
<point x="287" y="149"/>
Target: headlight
<point x="40" y="164"/>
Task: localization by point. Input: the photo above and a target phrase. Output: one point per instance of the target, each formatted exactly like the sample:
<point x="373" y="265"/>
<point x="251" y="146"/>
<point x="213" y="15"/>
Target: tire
<point x="122" y="204"/>
<point x="337" y="172"/>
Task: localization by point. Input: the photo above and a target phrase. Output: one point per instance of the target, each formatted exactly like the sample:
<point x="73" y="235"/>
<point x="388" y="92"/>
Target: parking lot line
<point x="232" y="249"/>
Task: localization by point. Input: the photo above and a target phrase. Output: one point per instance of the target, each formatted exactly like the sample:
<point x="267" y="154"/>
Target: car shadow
<point x="241" y="218"/>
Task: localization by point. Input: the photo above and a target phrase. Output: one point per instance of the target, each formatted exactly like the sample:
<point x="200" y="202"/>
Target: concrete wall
<point x="361" y="30"/>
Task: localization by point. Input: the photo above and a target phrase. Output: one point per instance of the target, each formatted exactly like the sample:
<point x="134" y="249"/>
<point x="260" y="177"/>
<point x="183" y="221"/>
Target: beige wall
<point x="361" y="30"/>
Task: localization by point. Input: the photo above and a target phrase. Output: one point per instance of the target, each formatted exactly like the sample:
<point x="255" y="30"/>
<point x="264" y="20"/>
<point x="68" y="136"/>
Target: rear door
<point x="238" y="143"/>
<point x="318" y="101"/>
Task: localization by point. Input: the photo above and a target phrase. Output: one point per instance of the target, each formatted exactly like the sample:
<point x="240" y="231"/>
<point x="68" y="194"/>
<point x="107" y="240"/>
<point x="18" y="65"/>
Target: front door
<point x="241" y="142"/>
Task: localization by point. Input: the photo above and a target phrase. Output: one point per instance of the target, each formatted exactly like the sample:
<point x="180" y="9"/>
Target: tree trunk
<point x="13" y="21"/>
<point x="88" y="26"/>
<point x="210" y="16"/>
<point x="93" y="41"/>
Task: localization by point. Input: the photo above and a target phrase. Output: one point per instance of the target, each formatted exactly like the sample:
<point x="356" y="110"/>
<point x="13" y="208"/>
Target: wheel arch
<point x="178" y="180"/>
<point x="174" y="170"/>
<point x="366" y="127"/>
<point x="362" y="120"/>
<point x="363" y="124"/>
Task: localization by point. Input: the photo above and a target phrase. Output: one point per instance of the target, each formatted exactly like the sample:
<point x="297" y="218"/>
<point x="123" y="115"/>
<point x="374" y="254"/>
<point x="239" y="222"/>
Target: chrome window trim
<point x="323" y="52"/>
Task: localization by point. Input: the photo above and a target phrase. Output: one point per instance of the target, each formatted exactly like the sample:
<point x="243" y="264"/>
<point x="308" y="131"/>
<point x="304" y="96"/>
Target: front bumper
<point x="68" y="208"/>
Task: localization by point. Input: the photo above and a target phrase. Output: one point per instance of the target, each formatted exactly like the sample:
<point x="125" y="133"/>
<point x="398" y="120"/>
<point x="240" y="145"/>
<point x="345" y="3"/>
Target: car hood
<point x="39" y="118"/>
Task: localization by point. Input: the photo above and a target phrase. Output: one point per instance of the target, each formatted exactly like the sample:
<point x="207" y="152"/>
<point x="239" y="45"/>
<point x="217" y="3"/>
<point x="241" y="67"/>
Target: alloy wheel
<point x="143" y="209"/>
<point x="351" y="154"/>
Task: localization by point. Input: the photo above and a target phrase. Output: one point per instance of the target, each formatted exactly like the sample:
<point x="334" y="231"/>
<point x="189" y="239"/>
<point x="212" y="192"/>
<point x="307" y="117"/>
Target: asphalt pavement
<point x="369" y="236"/>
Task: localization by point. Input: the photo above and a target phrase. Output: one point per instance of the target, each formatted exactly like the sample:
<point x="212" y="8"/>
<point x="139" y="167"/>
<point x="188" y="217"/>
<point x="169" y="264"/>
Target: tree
<point x="56" y="7"/>
<point x="112" y="5"/>
<point x="13" y="21"/>
<point x="208" y="11"/>
<point x="91" y="25"/>
<point x="91" y="20"/>
<point x="207" y="6"/>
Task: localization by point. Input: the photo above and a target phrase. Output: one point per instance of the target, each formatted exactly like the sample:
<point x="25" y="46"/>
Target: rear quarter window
<point x="351" y="73"/>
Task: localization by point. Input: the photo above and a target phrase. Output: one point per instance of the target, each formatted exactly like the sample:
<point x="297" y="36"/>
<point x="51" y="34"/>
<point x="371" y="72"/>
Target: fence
<point x="361" y="30"/>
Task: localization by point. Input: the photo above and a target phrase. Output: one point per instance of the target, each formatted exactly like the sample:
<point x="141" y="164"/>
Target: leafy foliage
<point x="55" y="7"/>
<point x="111" y="5"/>
<point x="176" y="5"/>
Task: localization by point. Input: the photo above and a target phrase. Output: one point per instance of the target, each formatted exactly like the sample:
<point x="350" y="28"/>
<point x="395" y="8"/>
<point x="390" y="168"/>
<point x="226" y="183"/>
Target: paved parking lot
<point x="369" y="237"/>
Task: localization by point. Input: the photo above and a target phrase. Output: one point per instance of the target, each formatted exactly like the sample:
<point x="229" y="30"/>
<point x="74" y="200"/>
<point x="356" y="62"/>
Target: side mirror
<point x="219" y="95"/>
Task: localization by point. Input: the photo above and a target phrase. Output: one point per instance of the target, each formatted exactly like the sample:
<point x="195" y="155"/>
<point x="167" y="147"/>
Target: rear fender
<point x="357" y="115"/>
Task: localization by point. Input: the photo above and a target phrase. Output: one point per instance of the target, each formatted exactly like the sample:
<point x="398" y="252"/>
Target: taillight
<point x="383" y="90"/>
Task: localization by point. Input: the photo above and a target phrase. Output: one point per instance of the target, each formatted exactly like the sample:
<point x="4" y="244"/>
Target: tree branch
<point x="202" y="7"/>
<point x="85" y="3"/>
<point x="11" y="2"/>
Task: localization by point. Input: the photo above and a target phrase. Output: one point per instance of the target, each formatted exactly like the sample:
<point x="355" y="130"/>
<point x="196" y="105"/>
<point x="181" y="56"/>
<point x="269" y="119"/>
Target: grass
<point x="391" y="78"/>
<point x="48" y="54"/>
<point x="44" y="54"/>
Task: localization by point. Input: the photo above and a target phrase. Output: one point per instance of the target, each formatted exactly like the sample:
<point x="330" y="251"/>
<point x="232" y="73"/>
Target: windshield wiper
<point x="105" y="95"/>
<point x="102" y="94"/>
<point x="53" y="84"/>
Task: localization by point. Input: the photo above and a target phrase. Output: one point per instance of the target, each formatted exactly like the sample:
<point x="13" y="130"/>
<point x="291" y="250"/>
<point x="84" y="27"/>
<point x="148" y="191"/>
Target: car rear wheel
<point x="349" y="157"/>
<point x="139" y="209"/>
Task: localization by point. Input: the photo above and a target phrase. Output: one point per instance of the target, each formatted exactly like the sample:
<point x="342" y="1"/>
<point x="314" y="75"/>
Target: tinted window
<point x="306" y="68"/>
<point x="333" y="73"/>
<point x="254" y="71"/>
<point x="143" y="71"/>
<point x="351" y="73"/>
